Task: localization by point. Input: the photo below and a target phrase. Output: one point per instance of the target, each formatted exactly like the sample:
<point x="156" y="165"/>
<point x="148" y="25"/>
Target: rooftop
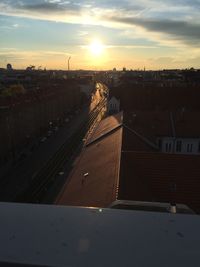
<point x="153" y="124"/>
<point x="160" y="177"/>
<point x="120" y="162"/>
<point x="94" y="180"/>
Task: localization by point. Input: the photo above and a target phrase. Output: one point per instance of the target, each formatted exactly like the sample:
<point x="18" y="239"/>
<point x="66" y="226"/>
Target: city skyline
<point x="100" y="34"/>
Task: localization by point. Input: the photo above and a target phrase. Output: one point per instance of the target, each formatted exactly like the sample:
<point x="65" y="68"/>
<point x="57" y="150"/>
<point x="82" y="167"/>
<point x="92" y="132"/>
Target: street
<point x="19" y="177"/>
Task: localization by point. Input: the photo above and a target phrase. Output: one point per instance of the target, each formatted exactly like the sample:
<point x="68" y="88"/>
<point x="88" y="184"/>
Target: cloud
<point x="18" y="54"/>
<point x="130" y="46"/>
<point x="168" y="22"/>
<point x="175" y="62"/>
<point x="62" y="11"/>
<point x="178" y="30"/>
<point x="49" y="7"/>
<point x="82" y="33"/>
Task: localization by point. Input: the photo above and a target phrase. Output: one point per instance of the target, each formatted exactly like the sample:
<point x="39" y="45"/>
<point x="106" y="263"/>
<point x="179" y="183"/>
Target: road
<point x="47" y="186"/>
<point x="20" y="177"/>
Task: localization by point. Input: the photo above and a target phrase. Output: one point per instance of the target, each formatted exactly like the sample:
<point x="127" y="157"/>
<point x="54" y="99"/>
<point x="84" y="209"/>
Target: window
<point x="168" y="147"/>
<point x="189" y="148"/>
<point x="178" y="146"/>
<point x="160" y="143"/>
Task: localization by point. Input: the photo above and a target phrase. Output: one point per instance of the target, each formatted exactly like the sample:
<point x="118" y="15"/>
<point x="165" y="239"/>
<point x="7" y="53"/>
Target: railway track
<point x="46" y="175"/>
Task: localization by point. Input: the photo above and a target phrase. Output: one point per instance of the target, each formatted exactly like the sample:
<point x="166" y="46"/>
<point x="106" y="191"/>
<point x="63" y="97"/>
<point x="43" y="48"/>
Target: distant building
<point x="87" y="89"/>
<point x="113" y="105"/>
<point x="86" y="84"/>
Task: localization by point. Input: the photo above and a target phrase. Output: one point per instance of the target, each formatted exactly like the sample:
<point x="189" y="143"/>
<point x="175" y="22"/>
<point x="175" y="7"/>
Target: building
<point x="130" y="166"/>
<point x="113" y="106"/>
<point x="174" y="132"/>
<point x="25" y="117"/>
<point x="86" y="84"/>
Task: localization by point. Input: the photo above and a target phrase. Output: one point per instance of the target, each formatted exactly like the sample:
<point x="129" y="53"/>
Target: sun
<point x="96" y="47"/>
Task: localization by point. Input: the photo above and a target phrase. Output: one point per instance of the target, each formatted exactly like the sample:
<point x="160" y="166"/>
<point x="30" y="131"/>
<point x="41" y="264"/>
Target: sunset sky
<point x="100" y="34"/>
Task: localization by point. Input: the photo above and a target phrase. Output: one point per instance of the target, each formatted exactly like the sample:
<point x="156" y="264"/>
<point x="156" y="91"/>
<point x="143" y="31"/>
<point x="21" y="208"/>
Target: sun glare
<point x="96" y="47"/>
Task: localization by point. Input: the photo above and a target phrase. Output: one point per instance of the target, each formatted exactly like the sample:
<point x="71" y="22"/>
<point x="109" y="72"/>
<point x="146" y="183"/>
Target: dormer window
<point x="189" y="148"/>
<point x="178" y="146"/>
<point x="168" y="147"/>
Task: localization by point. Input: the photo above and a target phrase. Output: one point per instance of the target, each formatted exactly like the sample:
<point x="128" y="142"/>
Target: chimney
<point x="172" y="208"/>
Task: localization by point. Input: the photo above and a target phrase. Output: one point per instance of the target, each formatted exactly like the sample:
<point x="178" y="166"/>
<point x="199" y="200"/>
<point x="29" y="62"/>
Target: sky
<point x="132" y="33"/>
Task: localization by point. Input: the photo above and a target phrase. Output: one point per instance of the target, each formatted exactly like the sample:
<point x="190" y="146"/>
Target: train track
<point x="46" y="176"/>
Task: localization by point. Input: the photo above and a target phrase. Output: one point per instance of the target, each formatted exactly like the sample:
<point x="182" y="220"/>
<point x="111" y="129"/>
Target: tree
<point x="13" y="90"/>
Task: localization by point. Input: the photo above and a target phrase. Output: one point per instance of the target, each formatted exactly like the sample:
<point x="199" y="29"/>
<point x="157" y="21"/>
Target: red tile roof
<point x="149" y="123"/>
<point x="160" y="177"/>
<point x="120" y="165"/>
<point x="105" y="126"/>
<point x="187" y="123"/>
<point x="94" y="180"/>
<point x="153" y="124"/>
